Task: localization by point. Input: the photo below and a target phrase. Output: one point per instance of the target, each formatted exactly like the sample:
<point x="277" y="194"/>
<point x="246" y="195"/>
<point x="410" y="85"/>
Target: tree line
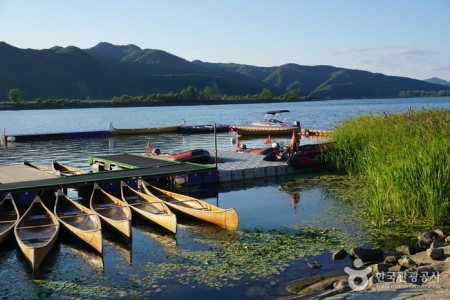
<point x="415" y="94"/>
<point x="188" y="95"/>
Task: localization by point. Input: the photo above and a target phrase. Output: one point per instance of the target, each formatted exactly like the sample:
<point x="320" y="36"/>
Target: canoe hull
<point x="149" y="208"/>
<point x="80" y="221"/>
<point x="225" y="218"/>
<point x="112" y="211"/>
<point x="63" y="170"/>
<point x="36" y="233"/>
<point x="9" y="216"/>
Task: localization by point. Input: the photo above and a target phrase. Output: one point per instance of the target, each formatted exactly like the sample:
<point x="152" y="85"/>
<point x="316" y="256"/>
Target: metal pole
<point x="215" y="145"/>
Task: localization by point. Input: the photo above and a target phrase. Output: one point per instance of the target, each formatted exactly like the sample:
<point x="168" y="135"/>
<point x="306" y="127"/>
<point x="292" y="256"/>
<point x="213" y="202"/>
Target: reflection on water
<point x="167" y="242"/>
<point x="283" y="221"/>
<point x="202" y="254"/>
<point x="92" y="259"/>
<point x="124" y="250"/>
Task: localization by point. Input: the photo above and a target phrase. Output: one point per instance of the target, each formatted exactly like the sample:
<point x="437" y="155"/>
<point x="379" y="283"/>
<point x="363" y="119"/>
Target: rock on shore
<point x="422" y="275"/>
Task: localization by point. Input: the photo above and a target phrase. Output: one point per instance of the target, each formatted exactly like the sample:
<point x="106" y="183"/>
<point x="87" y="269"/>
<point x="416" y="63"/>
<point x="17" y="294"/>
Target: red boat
<point x="308" y="155"/>
<point x="199" y="156"/>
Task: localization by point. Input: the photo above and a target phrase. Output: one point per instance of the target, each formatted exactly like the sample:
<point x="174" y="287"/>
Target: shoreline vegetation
<point x="404" y="159"/>
<point x="68" y="104"/>
<point x="188" y="96"/>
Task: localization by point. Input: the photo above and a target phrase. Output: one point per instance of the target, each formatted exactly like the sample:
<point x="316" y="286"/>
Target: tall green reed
<point x="405" y="161"/>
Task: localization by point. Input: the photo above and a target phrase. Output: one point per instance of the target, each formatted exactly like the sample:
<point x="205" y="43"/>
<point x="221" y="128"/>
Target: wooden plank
<point x="22" y="173"/>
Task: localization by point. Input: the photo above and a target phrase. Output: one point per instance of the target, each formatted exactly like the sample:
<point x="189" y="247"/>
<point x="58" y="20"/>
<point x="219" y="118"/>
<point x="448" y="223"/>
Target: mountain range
<point x="108" y="70"/>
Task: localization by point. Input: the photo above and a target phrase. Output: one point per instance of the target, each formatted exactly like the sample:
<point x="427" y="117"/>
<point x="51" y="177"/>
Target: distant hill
<point x="322" y="82"/>
<point x="108" y="70"/>
<point x="436" y="80"/>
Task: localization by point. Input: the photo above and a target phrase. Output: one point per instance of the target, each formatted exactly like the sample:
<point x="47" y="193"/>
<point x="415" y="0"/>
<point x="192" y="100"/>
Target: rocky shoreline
<point x="419" y="271"/>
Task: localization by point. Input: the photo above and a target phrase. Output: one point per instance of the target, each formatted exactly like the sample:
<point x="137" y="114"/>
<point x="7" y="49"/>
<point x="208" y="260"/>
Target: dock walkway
<point x="231" y="166"/>
<point x="155" y="168"/>
<point x="238" y="165"/>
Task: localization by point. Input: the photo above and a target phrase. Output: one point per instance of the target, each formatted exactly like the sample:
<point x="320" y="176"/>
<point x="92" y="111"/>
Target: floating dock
<point x="55" y="136"/>
<point x="111" y="169"/>
<point x="144" y="167"/>
<point x="241" y="165"/>
<point x="133" y="131"/>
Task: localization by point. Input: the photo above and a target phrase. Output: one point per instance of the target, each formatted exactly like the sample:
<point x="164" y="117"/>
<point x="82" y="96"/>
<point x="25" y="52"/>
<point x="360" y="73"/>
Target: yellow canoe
<point x="36" y="233"/>
<point x="149" y="207"/>
<point x="64" y="170"/>
<point x="79" y="220"/>
<point x="112" y="211"/>
<point x="226" y="218"/>
<point x="9" y="216"/>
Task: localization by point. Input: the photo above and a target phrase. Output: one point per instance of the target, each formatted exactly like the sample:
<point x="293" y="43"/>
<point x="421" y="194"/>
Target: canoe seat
<point x="110" y="207"/>
<point x="35" y="240"/>
<point x="144" y="203"/>
<point x="38" y="217"/>
<point x="72" y="215"/>
<point x="8" y="213"/>
<point x="181" y="201"/>
<point x="34" y="226"/>
<point x="105" y="205"/>
<point x="8" y="221"/>
<point x="69" y="213"/>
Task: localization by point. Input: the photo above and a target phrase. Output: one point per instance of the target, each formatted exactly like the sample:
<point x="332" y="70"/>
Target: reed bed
<point x="405" y="161"/>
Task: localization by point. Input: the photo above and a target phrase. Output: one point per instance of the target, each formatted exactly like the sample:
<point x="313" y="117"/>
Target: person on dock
<point x="295" y="144"/>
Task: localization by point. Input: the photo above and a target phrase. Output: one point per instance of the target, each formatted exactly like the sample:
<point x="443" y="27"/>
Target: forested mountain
<point x="438" y="81"/>
<point x="322" y="82"/>
<point x="107" y="70"/>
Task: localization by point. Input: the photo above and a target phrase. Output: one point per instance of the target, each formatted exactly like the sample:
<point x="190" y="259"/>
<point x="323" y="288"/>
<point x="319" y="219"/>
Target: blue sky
<point x="408" y="38"/>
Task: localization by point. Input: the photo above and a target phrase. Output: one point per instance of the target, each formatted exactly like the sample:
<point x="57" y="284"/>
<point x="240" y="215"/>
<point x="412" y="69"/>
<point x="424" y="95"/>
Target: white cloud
<point x="392" y="60"/>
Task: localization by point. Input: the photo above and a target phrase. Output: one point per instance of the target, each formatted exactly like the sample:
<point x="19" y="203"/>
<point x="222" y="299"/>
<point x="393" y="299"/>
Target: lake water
<point x="284" y="222"/>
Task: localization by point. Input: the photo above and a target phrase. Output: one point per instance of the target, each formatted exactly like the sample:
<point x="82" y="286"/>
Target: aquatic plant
<point x="404" y="160"/>
<point x="226" y="260"/>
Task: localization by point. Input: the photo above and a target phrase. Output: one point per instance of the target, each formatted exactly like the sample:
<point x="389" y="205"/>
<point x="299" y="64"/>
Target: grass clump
<point x="405" y="160"/>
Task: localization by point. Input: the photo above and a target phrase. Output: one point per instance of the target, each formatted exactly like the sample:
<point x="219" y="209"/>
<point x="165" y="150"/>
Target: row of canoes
<point x="37" y="230"/>
<point x="56" y="168"/>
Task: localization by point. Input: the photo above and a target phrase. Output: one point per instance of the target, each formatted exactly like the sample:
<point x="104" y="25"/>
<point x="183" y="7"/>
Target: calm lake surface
<point x="284" y="222"/>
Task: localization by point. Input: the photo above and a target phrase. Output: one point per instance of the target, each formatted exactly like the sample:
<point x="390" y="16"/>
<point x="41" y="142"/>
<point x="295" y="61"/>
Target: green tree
<point x="209" y="93"/>
<point x="291" y="95"/>
<point x="189" y="93"/>
<point x="14" y="95"/>
<point x="265" y="94"/>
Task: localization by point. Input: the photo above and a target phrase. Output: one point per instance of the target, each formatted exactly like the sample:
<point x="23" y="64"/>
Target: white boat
<point x="275" y="122"/>
<point x="277" y="118"/>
